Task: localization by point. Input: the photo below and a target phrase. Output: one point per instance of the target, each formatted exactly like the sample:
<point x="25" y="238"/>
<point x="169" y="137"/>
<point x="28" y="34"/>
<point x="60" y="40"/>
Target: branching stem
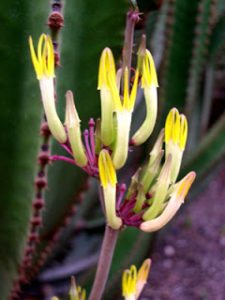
<point x="132" y="18"/>
<point x="104" y="263"/>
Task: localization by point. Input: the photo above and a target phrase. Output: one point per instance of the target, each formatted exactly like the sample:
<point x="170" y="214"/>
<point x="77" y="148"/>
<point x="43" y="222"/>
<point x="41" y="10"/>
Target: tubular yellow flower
<point x="123" y="117"/>
<point x="43" y="63"/>
<point x="176" y="199"/>
<point x="129" y="281"/>
<point x="72" y="123"/>
<point x="133" y="281"/>
<point x="176" y="129"/>
<point x="149" y="77"/>
<point x="107" y="172"/>
<point x="109" y="86"/>
<point x="54" y="298"/>
<point x="107" y="69"/>
<point x="108" y="180"/>
<point x="149" y="84"/>
<point x="120" y="151"/>
<point x="107" y="72"/>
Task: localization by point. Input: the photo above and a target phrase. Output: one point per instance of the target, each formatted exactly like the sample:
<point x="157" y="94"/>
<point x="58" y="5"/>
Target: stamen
<point x="88" y="148"/>
<point x="63" y="158"/>
<point x="92" y="137"/>
<point x="127" y="205"/>
<point x="122" y="188"/>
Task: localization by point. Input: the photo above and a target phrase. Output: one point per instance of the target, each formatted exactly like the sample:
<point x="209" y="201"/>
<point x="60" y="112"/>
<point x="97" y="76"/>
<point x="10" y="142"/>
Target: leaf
<point x="175" y="75"/>
<point x="193" y="105"/>
<point x="217" y="40"/>
<point x="20" y="112"/>
<point x="146" y="5"/>
<point x="209" y="153"/>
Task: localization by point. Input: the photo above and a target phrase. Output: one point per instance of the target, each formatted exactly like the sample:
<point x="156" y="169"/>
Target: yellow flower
<point x="108" y="180"/>
<point x="133" y="281"/>
<point x="149" y="84"/>
<point x="177" y="197"/>
<point x="76" y="292"/>
<point x="129" y="281"/>
<point x="106" y="66"/>
<point x="43" y="63"/>
<point x="176" y="130"/>
<point x="109" y="86"/>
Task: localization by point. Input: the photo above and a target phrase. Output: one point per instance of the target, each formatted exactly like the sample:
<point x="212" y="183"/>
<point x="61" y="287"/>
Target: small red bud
<point x="91" y="122"/>
<point x="43" y="158"/>
<point x="55" y="20"/>
<point x="45" y="130"/>
<point x="33" y="236"/>
<point x="29" y="250"/>
<point x="27" y="261"/>
<point x="36" y="221"/>
<point x="38" y="203"/>
<point x="40" y="182"/>
<point x="57" y="59"/>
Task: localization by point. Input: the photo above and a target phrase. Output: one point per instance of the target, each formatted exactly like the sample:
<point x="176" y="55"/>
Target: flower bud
<point x="176" y="129"/>
<point x="177" y="197"/>
<point x="107" y="73"/>
<point x="149" y="84"/>
<point x="44" y="65"/>
<point x="72" y="123"/>
<point x="108" y="180"/>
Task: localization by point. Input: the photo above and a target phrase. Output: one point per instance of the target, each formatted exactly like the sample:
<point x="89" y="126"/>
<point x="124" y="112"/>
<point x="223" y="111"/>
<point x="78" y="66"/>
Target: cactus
<point x="42" y="201"/>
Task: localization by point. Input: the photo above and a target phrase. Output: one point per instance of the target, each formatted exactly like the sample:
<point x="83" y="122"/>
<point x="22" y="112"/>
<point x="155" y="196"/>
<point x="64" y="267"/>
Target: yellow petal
<point x="107" y="172"/>
<point x="149" y="77"/>
<point x="43" y="61"/>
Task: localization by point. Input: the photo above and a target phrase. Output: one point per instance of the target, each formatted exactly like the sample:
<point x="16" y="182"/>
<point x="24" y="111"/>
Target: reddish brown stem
<point x="104" y="263"/>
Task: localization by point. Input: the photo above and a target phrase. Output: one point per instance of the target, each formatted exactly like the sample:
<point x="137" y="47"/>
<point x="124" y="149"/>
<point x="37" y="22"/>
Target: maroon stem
<point x="132" y="18"/>
<point x="104" y="263"/>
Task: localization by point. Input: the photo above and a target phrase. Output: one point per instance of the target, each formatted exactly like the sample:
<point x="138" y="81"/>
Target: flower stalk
<point x="104" y="263"/>
<point x="132" y="19"/>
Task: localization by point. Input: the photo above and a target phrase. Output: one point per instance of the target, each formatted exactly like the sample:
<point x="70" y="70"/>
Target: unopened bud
<point x="72" y="122"/>
<point x="180" y="191"/>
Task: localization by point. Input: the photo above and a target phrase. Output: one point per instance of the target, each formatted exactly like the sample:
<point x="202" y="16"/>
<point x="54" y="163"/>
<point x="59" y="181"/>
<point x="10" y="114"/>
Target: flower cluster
<point x="154" y="196"/>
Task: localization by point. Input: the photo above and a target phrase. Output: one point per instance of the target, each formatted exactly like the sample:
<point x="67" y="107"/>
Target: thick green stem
<point x="104" y="263"/>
